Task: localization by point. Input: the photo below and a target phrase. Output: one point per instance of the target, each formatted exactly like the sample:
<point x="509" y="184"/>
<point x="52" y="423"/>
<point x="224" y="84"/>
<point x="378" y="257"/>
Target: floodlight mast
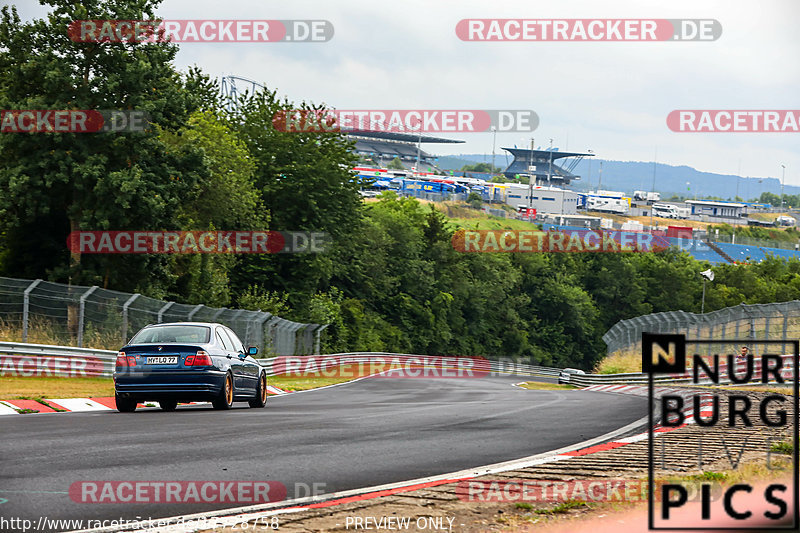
<point x="494" y="144"/>
<point x="530" y="181"/>
<point x="707" y="275"/>
<point x="589" y="177"/>
<point x="783" y="176"/>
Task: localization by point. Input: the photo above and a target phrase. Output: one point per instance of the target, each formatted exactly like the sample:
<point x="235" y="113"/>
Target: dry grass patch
<point x="622" y="362"/>
<point x="41" y="331"/>
<point x="37" y="388"/>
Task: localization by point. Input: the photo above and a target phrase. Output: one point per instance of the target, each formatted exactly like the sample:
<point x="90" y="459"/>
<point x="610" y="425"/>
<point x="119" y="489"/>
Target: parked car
<point x="184" y="362"/>
<point x="564" y="375"/>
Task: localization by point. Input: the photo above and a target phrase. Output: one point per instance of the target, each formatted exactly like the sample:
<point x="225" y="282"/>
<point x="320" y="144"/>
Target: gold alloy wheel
<point x="228" y="389"/>
<point x="263" y="388"/>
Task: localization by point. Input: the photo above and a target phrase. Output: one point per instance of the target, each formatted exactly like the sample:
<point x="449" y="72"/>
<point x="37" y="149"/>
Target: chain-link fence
<point x="749" y="241"/>
<point x="776" y="321"/>
<point x="71" y="315"/>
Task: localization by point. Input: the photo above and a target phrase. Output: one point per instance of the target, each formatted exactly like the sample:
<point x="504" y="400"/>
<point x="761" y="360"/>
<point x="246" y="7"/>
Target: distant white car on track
<point x="564" y="375"/>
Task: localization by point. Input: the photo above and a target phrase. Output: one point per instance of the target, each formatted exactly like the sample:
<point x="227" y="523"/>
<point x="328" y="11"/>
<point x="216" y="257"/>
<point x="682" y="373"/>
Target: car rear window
<point x="165" y="334"/>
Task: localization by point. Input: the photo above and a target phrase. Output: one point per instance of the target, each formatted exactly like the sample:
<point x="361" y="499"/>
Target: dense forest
<point x="390" y="281"/>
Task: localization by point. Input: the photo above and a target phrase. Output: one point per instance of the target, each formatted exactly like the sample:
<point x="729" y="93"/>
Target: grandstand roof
<point x="402" y="137"/>
<point x="386" y="148"/>
<point x="544" y="161"/>
<point x="524" y="153"/>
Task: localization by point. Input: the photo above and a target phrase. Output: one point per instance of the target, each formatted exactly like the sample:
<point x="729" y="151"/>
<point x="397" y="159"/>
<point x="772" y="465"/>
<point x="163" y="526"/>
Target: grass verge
<point x="37" y="388"/>
<point x="786" y="390"/>
<point x="620" y="363"/>
<point x="563" y="508"/>
<point x="538" y="385"/>
<point x="314" y="380"/>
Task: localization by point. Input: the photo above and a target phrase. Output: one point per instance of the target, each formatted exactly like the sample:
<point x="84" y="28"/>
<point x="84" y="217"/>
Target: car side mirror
<point x="252" y="350"/>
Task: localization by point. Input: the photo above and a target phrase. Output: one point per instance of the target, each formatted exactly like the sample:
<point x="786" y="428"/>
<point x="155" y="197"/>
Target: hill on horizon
<point x="629" y="176"/>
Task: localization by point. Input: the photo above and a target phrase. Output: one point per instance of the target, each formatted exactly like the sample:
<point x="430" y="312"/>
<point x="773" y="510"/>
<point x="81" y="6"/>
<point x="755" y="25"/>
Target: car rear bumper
<point x="173" y="384"/>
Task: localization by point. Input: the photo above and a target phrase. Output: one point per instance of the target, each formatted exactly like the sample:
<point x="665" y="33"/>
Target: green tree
<point x="474" y="199"/>
<point x="395" y="164"/>
<point x="91" y="181"/>
<point x="226" y="200"/>
<point x="305" y="182"/>
<point x="480" y="167"/>
<point x="228" y="197"/>
<point x="256" y="298"/>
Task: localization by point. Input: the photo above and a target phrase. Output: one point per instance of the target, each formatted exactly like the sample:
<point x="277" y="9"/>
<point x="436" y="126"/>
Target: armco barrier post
<point x="295" y="327"/>
<point x="318" y="341"/>
<point x="125" y="307"/>
<point x="193" y="312"/>
<point x="785" y="333"/>
<point x="307" y="338"/>
<point x="219" y="312"/>
<point x="26" y="302"/>
<point x="81" y="312"/>
<point x="261" y="326"/>
<point x="232" y="322"/>
<point x="164" y="310"/>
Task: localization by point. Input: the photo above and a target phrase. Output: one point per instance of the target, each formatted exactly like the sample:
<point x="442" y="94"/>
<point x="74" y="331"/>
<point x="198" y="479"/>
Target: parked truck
<point x="644" y="196"/>
<point x="618" y="206"/>
<point x="670" y="211"/>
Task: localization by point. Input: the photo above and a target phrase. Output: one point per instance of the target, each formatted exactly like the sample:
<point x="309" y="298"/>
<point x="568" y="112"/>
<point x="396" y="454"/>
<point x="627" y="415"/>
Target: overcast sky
<point x="610" y="97"/>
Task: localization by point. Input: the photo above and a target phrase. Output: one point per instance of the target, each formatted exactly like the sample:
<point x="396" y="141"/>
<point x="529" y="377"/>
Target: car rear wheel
<point x="125" y="405"/>
<point x="168" y="405"/>
<point x="261" y="393"/>
<point x="225" y="398"/>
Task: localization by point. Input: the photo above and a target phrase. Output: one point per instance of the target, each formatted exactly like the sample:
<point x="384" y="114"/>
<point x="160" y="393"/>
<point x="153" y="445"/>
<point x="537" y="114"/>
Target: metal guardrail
<point x="25" y="359"/>
<point x="585" y="380"/>
<point x="385" y="361"/>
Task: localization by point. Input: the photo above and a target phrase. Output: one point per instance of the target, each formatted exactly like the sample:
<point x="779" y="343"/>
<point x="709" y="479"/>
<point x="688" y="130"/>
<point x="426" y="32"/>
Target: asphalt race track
<point x="359" y="434"/>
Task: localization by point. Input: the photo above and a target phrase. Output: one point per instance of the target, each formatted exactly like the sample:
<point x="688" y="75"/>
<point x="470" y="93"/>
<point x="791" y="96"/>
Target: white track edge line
<point x="270" y="509"/>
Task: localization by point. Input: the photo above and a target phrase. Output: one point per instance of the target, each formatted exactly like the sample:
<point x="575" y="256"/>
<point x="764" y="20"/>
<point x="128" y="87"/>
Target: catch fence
<point x="774" y="321"/>
<point x="72" y="315"/>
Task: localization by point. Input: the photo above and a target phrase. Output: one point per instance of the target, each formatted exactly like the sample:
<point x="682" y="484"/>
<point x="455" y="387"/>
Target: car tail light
<point x="124" y="361"/>
<point x="202" y="359"/>
<point x="189" y="360"/>
<point x="131" y="360"/>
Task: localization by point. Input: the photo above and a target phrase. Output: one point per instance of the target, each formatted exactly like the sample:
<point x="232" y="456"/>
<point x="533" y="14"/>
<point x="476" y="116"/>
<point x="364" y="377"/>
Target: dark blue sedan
<point x="188" y="361"/>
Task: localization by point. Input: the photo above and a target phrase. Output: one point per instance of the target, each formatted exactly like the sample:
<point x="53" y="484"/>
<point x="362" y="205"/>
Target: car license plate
<point x="162" y="360"/>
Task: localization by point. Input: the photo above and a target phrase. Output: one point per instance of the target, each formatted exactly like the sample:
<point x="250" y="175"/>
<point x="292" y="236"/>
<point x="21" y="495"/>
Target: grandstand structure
<point x="379" y="148"/>
<point x="546" y="171"/>
<point x="375" y="147"/>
